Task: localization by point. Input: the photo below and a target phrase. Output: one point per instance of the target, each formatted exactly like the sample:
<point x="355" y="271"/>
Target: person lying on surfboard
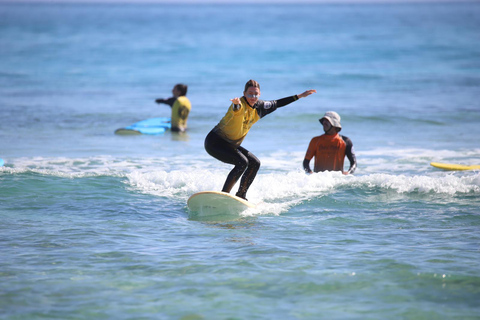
<point x="180" y="107"/>
<point x="330" y="148"/>
<point x="223" y="142"/>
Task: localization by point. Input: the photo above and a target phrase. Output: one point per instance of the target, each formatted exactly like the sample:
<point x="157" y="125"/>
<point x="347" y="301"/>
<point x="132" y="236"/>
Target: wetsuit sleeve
<point x="169" y="101"/>
<point x="350" y="153"/>
<point x="266" y="107"/>
<point x="308" y="156"/>
<point x="306" y="166"/>
<point x="284" y="101"/>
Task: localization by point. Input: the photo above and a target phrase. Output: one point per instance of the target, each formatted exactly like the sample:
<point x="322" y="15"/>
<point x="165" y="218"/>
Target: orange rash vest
<point x="329" y="152"/>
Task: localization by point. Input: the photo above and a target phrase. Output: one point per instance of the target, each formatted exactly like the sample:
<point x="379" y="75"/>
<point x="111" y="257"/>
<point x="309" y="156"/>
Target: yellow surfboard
<point x="214" y="203"/>
<point x="456" y="167"/>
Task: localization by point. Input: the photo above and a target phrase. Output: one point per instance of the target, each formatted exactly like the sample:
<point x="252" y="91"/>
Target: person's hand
<point x="306" y="93"/>
<point x="158" y="100"/>
<point x="236" y="101"/>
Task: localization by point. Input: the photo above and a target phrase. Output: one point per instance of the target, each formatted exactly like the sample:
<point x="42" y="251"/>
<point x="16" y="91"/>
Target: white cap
<point x="333" y="118"/>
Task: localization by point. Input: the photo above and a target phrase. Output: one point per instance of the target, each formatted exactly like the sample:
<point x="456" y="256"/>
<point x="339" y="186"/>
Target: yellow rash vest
<point x="238" y="120"/>
<point x="180" y="110"/>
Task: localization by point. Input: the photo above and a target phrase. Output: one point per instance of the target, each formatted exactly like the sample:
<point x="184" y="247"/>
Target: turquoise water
<point x="95" y="225"/>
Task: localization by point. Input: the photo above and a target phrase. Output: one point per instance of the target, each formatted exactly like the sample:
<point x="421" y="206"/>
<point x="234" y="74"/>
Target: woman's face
<point x="252" y="94"/>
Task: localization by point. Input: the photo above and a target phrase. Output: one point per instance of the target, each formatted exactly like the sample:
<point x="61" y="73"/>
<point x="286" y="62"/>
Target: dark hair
<point x="182" y="88"/>
<point x="251" y="83"/>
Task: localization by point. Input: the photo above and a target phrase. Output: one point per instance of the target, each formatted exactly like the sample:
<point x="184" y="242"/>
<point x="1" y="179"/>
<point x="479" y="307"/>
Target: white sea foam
<point x="411" y="160"/>
<point x="277" y="192"/>
<point x="384" y="160"/>
<point x="69" y="167"/>
<point x="91" y="166"/>
<point x="276" y="188"/>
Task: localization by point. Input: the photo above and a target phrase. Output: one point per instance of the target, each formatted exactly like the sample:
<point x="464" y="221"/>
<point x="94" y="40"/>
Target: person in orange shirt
<point x="330" y="148"/>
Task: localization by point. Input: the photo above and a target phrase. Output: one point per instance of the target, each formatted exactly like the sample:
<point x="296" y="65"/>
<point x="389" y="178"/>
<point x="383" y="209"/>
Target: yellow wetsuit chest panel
<point x="235" y="125"/>
<point x="180" y="110"/>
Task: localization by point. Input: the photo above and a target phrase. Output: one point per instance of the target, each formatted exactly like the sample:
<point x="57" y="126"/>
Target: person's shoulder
<point x="264" y="104"/>
<point x="182" y="99"/>
<point x="316" y="138"/>
<point x="259" y="103"/>
<point x="346" y="139"/>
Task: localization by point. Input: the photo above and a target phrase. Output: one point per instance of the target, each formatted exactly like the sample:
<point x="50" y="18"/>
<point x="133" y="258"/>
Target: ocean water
<point x="95" y="225"/>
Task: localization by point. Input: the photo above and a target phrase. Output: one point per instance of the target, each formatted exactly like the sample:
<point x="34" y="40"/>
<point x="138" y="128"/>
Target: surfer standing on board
<point x="223" y="142"/>
<point x="180" y="107"/>
<point x="330" y="148"/>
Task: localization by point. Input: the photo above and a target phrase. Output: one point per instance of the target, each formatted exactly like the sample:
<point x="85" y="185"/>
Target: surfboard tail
<point x="216" y="204"/>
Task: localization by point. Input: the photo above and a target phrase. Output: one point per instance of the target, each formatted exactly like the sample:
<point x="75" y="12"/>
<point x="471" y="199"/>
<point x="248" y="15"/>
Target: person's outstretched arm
<point x="169" y="101"/>
<point x="284" y="101"/>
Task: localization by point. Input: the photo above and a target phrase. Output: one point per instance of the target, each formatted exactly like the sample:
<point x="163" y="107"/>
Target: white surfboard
<point x="214" y="203"/>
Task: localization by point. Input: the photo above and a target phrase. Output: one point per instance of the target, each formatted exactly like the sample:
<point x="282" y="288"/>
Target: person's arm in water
<point x="306" y="166"/>
<point x="309" y="156"/>
<point x="350" y="153"/>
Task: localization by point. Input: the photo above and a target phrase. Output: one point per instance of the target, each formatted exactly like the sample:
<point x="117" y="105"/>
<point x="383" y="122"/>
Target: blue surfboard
<point x="153" y="126"/>
<point x="1" y="162"/>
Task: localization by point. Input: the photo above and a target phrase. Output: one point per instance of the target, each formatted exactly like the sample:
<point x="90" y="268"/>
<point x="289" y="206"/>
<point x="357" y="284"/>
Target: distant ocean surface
<point x="95" y="225"/>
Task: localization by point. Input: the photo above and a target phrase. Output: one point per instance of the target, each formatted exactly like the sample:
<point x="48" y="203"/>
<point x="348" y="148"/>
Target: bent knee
<point x="254" y="163"/>
<point x="241" y="163"/>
